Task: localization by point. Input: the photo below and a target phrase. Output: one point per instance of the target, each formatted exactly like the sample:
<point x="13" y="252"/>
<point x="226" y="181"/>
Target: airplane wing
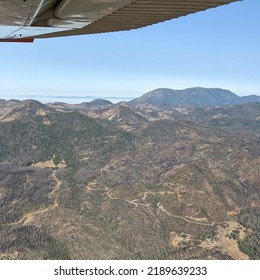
<point x="24" y="20"/>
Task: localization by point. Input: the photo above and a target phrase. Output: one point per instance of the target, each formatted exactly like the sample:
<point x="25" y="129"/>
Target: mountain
<point x="97" y="104"/>
<point x="14" y="109"/>
<point x="250" y="99"/>
<point x="125" y="182"/>
<point x="119" y="114"/>
<point x="197" y="96"/>
<point x="84" y="106"/>
<point x="6" y="103"/>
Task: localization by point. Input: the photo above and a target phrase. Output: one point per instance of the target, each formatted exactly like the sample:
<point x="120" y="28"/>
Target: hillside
<point x="131" y="183"/>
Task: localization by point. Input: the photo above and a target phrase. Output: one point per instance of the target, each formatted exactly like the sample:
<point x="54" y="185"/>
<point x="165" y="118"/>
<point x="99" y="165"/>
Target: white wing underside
<point x="28" y="19"/>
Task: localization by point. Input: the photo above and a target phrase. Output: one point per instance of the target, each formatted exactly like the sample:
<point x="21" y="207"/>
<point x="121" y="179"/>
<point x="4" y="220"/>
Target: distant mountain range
<point x="197" y="96"/>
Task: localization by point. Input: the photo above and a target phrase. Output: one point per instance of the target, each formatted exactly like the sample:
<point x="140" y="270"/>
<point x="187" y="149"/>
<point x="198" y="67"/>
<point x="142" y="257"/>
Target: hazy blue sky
<point x="216" y="48"/>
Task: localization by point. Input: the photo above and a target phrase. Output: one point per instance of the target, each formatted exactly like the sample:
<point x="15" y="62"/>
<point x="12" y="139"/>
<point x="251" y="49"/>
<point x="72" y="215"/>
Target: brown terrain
<point x="129" y="181"/>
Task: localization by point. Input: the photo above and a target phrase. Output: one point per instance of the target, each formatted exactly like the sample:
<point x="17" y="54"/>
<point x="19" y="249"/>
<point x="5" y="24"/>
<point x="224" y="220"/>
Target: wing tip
<point x="22" y="40"/>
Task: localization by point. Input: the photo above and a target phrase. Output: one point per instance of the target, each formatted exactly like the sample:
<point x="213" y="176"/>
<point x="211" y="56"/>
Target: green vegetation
<point x="249" y="218"/>
<point x="234" y="234"/>
<point x="66" y="136"/>
<point x="250" y="246"/>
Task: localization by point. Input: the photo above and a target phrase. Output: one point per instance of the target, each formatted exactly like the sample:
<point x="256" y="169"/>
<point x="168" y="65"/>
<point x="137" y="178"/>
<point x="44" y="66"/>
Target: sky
<point x="219" y="48"/>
